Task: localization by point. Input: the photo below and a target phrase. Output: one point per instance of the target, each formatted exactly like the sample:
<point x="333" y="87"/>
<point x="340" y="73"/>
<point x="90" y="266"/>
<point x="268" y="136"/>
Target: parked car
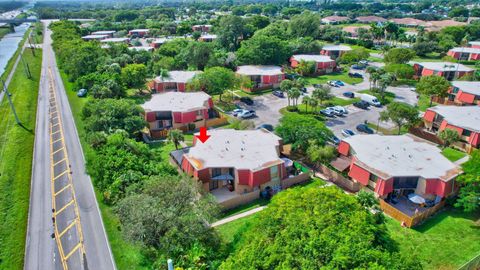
<point x="237" y="111"/>
<point x="266" y="126"/>
<point x="335" y="83"/>
<point x="317" y="85"/>
<point x="335" y="112"/>
<point x="364" y="128"/>
<point x="328" y="112"/>
<point x="349" y="94"/>
<point x="361" y="104"/>
<point x="340" y="109"/>
<point x="82" y="92"/>
<point x="347" y="132"/>
<point x="372" y="100"/>
<point x="246" y="114"/>
<point x="303" y="89"/>
<point x="278" y="93"/>
<point x="355" y="75"/>
<point x="363" y="62"/>
<point x="335" y="140"/>
<point x="358" y="67"/>
<point x="246" y="100"/>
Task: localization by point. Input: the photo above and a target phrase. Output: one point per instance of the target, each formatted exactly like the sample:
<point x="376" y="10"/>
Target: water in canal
<point x="9" y="44"/>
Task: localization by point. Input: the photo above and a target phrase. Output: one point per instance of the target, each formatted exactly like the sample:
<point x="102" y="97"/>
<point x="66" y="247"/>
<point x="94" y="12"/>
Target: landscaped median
<point x="16" y="148"/>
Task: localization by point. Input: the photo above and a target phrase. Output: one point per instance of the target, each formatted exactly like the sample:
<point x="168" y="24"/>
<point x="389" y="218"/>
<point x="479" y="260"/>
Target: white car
<point x="246" y="114"/>
<point x="340" y="109"/>
<point x="237" y="111"/>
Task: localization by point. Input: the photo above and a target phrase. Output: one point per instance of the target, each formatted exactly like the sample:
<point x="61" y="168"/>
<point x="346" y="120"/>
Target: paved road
<point x="41" y="250"/>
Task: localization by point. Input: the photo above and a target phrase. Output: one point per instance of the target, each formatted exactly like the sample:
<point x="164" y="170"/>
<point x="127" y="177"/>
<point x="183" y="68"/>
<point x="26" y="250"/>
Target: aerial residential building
<point x="370" y="19"/>
<point x="94" y="37"/>
<point x="235" y="162"/>
<point x="335" y="19"/>
<point x="323" y="64"/>
<point x="178" y="110"/>
<point x="408" y="22"/>
<point x="474" y="44"/>
<point x="115" y="40"/>
<point x="352" y="31"/>
<point x="405" y="172"/>
<point x="141" y="48"/>
<point x="334" y="51"/>
<point x="156" y="43"/>
<point x="439" y="25"/>
<point x="463" y="119"/>
<point x="262" y="77"/>
<point x="105" y="32"/>
<point x="204" y="28"/>
<point x="465" y="93"/>
<point x="207" y="38"/>
<point x="465" y="53"/>
<point x="176" y="80"/>
<point x="138" y="32"/>
<point x="449" y="70"/>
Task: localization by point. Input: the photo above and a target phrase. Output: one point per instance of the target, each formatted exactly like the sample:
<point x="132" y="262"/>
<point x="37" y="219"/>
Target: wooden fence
<point x="216" y="122"/>
<point x="339" y="179"/>
<point x="288" y="182"/>
<point x="409" y="221"/>
<point x="240" y="200"/>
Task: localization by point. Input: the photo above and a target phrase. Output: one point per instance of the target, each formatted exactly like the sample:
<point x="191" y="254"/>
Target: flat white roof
<point x="467" y="117"/>
<point x="209" y="36"/>
<point x="444" y="66"/>
<point x="103" y="32"/>
<point x="332" y="47"/>
<point x="177" y="102"/>
<point x="465" y="50"/>
<point x="312" y="57"/>
<point x="240" y="149"/>
<point x="397" y="156"/>
<point x="114" y="40"/>
<point x="95" y="36"/>
<point x="259" y="70"/>
<point x="468" y="87"/>
<point x="178" y="76"/>
<point x="474" y="42"/>
<point x="161" y="40"/>
<point x="139" y="30"/>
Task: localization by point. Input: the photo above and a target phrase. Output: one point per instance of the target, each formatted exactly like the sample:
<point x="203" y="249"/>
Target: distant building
<point x="434" y="26"/>
<point x="353" y="30"/>
<point x="176" y="81"/>
<point x="463" y="119"/>
<point x="94" y="37"/>
<point x="138" y="32"/>
<point x="178" y="110"/>
<point x="115" y="40"/>
<point x="335" y="19"/>
<point x="334" y="51"/>
<point x="141" y="48"/>
<point x="156" y="43"/>
<point x="370" y="19"/>
<point x="465" y="53"/>
<point x="207" y="38"/>
<point x="474" y="44"/>
<point x="465" y="93"/>
<point x="408" y="22"/>
<point x="262" y="77"/>
<point x="448" y="70"/>
<point x="105" y="32"/>
<point x="323" y="64"/>
<point x="204" y="28"/>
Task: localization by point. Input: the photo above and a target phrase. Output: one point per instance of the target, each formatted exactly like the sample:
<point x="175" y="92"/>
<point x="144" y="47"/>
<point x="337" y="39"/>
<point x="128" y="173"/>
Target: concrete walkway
<point x="462" y="160"/>
<point x="237" y="216"/>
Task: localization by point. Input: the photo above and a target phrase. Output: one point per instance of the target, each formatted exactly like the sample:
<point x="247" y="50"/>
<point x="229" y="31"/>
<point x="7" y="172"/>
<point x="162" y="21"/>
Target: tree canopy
<point x="469" y="195"/>
<point x="402" y="114"/>
<point x="263" y="50"/>
<point x="433" y="86"/>
<point x="399" y="55"/>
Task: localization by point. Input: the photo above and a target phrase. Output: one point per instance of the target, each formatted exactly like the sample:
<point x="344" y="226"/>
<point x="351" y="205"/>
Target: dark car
<point x="355" y="75"/>
<point x="335" y="140"/>
<point x="358" y="67"/>
<point x="246" y="100"/>
<point x="291" y="76"/>
<point x="361" y="104"/>
<point x="266" y="126"/>
<point x="349" y="94"/>
<point x="364" y="128"/>
<point x="82" y="92"/>
<point x="303" y="89"/>
<point x="278" y="93"/>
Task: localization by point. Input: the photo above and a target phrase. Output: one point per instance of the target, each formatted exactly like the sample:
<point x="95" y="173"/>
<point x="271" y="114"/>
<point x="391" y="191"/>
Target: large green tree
<point x="214" y="81"/>
<point x="263" y="50"/>
<point x="316" y="228"/>
<point x="433" y="86"/>
<point x="304" y="25"/>
<point x="134" y="75"/>
<point x="230" y="31"/>
<point x="469" y="195"/>
<point x="402" y="114"/>
<point x="399" y="55"/>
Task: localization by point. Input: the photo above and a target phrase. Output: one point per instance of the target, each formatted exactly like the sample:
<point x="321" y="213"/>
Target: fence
<point x="339" y="179"/>
<point x="420" y="132"/>
<point x="473" y="264"/>
<point x="240" y="199"/>
<point x="216" y="122"/>
<point x="288" y="182"/>
<point x="409" y="221"/>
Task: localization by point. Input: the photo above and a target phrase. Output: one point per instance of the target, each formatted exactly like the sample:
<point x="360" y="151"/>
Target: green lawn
<point x="229" y="231"/>
<point x="424" y="103"/>
<point x="127" y="256"/>
<point x="244" y="208"/>
<point x="453" y="154"/>
<point x="445" y="241"/>
<point x="340" y="76"/>
<point x="16" y="150"/>
<point x="4" y="31"/>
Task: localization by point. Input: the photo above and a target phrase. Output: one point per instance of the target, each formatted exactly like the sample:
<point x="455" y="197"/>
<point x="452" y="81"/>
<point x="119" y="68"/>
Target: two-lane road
<point x="41" y="250"/>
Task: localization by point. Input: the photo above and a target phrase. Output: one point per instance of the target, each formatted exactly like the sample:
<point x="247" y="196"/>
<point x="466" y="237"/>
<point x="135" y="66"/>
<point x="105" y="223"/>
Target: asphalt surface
<point x="41" y="249"/>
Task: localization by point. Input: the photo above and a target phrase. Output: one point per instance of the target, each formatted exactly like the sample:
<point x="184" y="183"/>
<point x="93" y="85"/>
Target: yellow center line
<point x="61" y="190"/>
<point x="73" y="251"/>
<point x="74" y="222"/>
<point x="58" y="212"/>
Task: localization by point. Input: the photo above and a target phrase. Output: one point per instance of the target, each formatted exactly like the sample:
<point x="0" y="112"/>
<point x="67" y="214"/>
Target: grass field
<point x="445" y="241"/>
<point x="16" y="150"/>
<point x="4" y="31"/>
<point x="453" y="154"/>
<point x="340" y="76"/>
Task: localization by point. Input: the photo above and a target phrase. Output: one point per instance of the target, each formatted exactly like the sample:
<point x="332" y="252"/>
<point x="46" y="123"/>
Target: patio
<point x="407" y="207"/>
<point x="222" y="194"/>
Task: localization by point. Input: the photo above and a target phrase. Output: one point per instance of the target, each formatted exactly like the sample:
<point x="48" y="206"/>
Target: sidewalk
<point x="237" y="216"/>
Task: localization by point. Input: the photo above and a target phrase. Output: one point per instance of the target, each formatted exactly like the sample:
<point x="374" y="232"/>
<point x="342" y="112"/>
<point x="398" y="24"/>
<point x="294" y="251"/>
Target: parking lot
<point x="267" y="108"/>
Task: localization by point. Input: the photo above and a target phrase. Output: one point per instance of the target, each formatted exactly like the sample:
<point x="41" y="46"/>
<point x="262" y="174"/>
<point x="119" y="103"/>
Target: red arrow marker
<point x="203" y="137"/>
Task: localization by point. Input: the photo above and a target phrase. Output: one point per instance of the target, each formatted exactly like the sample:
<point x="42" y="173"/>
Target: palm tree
<point x="322" y="93"/>
<point x="306" y="101"/>
<point x="295" y="95"/>
<point x="176" y="136"/>
<point x="313" y="103"/>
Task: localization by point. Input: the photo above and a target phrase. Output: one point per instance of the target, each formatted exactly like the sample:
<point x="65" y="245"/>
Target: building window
<point x="216" y="172"/>
<point x="466" y="132"/>
<point x="213" y="184"/>
<point x="199" y="113"/>
<point x="373" y="178"/>
<point x="274" y="173"/>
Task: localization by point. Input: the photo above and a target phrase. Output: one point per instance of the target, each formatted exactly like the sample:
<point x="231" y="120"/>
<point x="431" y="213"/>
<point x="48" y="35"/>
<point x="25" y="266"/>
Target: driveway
<point x="404" y="93"/>
<point x="267" y="108"/>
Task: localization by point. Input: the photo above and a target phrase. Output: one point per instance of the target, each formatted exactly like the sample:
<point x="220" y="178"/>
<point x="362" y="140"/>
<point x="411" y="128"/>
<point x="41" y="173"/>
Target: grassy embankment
<point x="16" y="151"/>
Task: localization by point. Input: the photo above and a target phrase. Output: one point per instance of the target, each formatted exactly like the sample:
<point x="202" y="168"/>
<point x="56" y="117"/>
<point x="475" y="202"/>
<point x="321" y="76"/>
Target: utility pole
<point x="30" y="43"/>
<point x="11" y="103"/>
<point x="26" y="67"/>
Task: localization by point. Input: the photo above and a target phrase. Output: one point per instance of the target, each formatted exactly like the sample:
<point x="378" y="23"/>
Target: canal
<point x="9" y="44"/>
